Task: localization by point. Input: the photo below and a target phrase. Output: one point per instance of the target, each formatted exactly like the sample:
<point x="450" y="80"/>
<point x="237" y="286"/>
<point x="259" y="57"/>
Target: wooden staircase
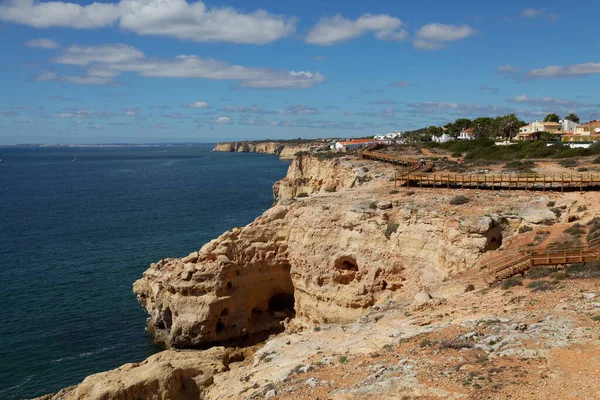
<point x="521" y="260"/>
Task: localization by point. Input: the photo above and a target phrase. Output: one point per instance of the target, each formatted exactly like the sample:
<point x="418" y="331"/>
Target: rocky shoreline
<point x="339" y="250"/>
<point x="285" y="151"/>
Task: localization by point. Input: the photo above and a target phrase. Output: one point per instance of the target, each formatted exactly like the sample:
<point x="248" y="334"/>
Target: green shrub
<point x="575" y="230"/>
<point x="343" y="359"/>
<point x="594" y="229"/>
<point x="581" y="208"/>
<point x="540" y="272"/>
<point x="525" y="228"/>
<point x="551" y="204"/>
<point x="426" y="343"/>
<point x="596" y="161"/>
<point x="512" y="282"/>
<point x="457" y="154"/>
<point x="568" y="163"/>
<point x="458" y="200"/>
<point x="302" y="195"/>
<point x="582" y="169"/>
<point x="541" y="286"/>
<point x="394" y="191"/>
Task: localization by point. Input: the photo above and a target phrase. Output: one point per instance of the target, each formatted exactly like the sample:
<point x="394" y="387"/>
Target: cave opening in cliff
<point x="346" y="263"/>
<point x="494" y="238"/>
<point x="282" y="303"/>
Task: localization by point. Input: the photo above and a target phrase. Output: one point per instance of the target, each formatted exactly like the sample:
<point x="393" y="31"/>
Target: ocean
<point x="74" y="236"/>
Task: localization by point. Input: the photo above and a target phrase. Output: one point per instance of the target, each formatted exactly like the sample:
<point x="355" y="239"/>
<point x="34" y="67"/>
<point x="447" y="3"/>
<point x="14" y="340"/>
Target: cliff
<point x="358" y="275"/>
<point x="281" y="149"/>
<point x="335" y="244"/>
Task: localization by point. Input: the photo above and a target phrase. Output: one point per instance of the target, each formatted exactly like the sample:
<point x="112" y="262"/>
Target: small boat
<point x="74" y="159"/>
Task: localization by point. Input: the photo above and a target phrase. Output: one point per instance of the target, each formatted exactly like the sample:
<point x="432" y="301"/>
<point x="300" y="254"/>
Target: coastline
<point x="337" y="253"/>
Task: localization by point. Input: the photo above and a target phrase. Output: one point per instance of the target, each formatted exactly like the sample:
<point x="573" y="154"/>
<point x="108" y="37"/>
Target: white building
<point x="466" y="134"/>
<point x="442" y="139"/>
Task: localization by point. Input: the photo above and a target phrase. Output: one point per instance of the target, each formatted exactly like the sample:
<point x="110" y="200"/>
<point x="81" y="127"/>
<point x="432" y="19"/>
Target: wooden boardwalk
<point x="516" y="263"/>
<point x="504" y="181"/>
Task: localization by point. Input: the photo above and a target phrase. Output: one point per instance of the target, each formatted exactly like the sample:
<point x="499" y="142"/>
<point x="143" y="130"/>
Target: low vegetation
<point x="458" y="200"/>
<point x="485" y="149"/>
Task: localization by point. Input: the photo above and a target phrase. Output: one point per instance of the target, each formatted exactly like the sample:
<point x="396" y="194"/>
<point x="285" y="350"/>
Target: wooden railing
<point x="508" y="265"/>
<point x="505" y="181"/>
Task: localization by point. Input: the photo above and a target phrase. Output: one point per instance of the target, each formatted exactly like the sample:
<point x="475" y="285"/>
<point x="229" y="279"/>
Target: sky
<point x="146" y="71"/>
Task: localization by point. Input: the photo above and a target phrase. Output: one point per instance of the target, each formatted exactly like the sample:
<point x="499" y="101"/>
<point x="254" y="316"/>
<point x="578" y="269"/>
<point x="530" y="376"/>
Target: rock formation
<point x="281" y="149"/>
<point x="173" y="375"/>
<point x="325" y="258"/>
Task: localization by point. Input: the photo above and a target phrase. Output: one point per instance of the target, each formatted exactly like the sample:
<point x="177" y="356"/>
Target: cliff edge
<point x="282" y="149"/>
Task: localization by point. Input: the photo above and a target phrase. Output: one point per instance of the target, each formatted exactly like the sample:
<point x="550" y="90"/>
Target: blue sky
<point x="171" y="70"/>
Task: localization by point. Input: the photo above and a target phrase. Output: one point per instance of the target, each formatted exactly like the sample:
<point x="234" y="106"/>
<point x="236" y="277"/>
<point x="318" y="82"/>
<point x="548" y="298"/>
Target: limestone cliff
<point x="323" y="258"/>
<point x="281" y="149"/>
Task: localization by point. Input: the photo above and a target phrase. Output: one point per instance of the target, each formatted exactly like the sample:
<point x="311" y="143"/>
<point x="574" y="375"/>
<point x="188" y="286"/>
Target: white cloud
<point x="385" y="113"/>
<point x="545" y="101"/>
<point x="197" y="104"/>
<point x="554" y="71"/>
<point x="401" y="84"/>
<point x="131" y="112"/>
<point x="105" y="54"/>
<point x="59" y="14"/>
<point x="507" y="70"/>
<point x="428" y="45"/>
<point x="434" y="36"/>
<point x="254" y="109"/>
<point x="78" y="80"/>
<point x="174" y="18"/>
<point x="109" y="61"/>
<point x="42" y="43"/>
<point x="473" y="110"/>
<point x="532" y="12"/>
<point x="336" y="29"/>
<point x="223" y="120"/>
<point x="298" y="109"/>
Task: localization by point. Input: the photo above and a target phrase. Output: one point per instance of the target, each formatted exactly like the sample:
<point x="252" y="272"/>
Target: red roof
<point x="467" y="130"/>
<point x="357" y="141"/>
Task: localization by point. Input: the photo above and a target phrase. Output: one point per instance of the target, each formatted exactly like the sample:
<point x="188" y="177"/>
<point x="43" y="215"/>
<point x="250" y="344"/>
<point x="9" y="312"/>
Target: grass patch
<point x="594" y="229"/>
<point x="456" y="344"/>
<point x="343" y="359"/>
<point x="575" y="230"/>
<point x="568" y="163"/>
<point x="520" y="166"/>
<point x="540" y="272"/>
<point x="458" y="200"/>
<point x="525" y="228"/>
<point x="541" y="286"/>
<point x="512" y="282"/>
<point x="426" y="343"/>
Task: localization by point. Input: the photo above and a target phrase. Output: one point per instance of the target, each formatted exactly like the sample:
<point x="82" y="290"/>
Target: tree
<point x="482" y="127"/>
<point x="509" y="126"/>
<point x="573" y="117"/>
<point x="435" y="131"/>
<point x="552" y="118"/>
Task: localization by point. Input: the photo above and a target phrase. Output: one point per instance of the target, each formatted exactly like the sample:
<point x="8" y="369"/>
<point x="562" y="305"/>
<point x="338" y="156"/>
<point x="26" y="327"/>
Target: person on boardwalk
<point x="422" y="163"/>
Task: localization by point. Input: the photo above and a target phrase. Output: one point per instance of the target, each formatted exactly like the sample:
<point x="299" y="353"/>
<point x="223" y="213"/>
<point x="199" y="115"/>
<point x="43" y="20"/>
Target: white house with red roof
<point x="352" y="144"/>
<point x="466" y="134"/>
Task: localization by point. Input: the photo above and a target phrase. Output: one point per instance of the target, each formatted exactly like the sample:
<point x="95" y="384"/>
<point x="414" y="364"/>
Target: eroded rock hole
<point x="167" y="320"/>
<point x="346" y="263"/>
<point x="494" y="239"/>
<point x="229" y="285"/>
<point x="220" y="327"/>
<point x="225" y="312"/>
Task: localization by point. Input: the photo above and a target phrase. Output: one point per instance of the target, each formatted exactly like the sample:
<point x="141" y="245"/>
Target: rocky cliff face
<point x="323" y="258"/>
<point x="283" y="150"/>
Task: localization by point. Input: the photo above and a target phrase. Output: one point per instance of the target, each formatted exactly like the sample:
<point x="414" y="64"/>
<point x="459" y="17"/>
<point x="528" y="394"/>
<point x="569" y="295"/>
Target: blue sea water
<point x="74" y="236"/>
